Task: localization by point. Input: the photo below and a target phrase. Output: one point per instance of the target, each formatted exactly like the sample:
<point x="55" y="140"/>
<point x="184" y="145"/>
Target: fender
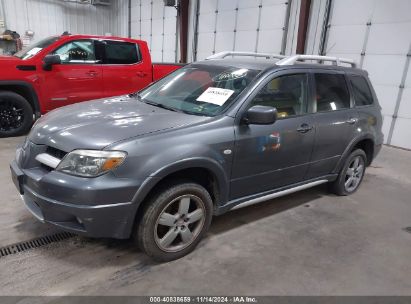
<point x="350" y="146"/>
<point x="30" y="89"/>
<point x="204" y="163"/>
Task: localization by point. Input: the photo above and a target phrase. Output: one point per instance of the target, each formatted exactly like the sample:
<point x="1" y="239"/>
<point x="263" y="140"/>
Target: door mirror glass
<point x="260" y="115"/>
<point x="51" y="60"/>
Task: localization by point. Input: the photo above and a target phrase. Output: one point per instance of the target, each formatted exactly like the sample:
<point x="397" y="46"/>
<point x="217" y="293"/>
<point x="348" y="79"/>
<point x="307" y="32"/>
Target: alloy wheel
<point x="180" y="223"/>
<point x="354" y="174"/>
<point x="11" y="116"/>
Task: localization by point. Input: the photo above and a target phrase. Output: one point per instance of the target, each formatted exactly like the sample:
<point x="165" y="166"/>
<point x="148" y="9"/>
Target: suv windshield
<point x="199" y="89"/>
<point x="33" y="49"/>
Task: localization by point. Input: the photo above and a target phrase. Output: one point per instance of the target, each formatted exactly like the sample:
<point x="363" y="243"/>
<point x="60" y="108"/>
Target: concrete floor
<point x="308" y="243"/>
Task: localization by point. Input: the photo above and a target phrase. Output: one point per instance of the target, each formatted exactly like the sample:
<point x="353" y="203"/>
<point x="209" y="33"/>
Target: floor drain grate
<point x="35" y="243"/>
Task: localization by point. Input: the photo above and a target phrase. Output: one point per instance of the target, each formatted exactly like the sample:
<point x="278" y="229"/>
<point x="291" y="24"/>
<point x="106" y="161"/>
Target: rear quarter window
<point x="361" y="91"/>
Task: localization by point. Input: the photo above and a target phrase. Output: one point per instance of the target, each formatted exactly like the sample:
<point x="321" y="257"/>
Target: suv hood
<point x="99" y="123"/>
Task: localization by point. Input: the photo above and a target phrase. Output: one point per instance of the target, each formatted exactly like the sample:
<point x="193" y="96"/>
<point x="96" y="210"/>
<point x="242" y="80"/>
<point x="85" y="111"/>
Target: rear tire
<point x="16" y="114"/>
<point x="351" y="174"/>
<point x="174" y="221"/>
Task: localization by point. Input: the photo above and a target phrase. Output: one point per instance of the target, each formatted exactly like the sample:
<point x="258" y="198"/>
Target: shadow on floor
<point x="119" y="251"/>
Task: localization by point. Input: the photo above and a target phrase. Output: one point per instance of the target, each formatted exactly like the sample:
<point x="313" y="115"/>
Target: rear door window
<point x="331" y="92"/>
<point x="120" y="52"/>
<point x="361" y="91"/>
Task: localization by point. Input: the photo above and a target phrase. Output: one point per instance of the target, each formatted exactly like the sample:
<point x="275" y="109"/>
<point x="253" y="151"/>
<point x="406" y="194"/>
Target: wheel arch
<point x="365" y="142"/>
<point x="25" y="90"/>
<point x="205" y="172"/>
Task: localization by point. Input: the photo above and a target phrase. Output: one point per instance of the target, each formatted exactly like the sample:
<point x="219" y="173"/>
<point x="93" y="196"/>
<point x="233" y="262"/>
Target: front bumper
<point x="94" y="207"/>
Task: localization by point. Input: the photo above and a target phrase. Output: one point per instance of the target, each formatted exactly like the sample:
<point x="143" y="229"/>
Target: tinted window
<point x="79" y="51"/>
<point x="331" y="92"/>
<point x="361" y="91"/>
<point x="286" y="93"/>
<point x="118" y="52"/>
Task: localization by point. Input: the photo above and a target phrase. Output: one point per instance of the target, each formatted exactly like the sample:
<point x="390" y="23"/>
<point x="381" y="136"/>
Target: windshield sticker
<point x="231" y="75"/>
<point x="215" y="96"/>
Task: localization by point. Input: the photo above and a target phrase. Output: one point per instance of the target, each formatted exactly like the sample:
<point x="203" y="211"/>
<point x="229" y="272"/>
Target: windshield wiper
<point x="159" y="105"/>
<point x="194" y="113"/>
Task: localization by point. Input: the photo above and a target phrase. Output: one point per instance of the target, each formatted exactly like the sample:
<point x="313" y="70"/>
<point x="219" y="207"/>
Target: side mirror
<point x="50" y="60"/>
<point x="260" y="115"/>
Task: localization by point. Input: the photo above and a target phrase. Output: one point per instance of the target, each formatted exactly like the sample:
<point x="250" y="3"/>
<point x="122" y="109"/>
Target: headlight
<point x="90" y="163"/>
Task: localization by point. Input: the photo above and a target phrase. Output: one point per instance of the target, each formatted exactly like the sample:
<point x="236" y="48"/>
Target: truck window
<point x="331" y="92"/>
<point x="35" y="48"/>
<point x="118" y="52"/>
<point x="78" y="51"/>
<point x="361" y="91"/>
<point x="286" y="93"/>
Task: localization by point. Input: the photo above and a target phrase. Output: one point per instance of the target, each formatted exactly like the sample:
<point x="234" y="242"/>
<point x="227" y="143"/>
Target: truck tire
<point x="351" y="174"/>
<point x="174" y="221"/>
<point x="16" y="114"/>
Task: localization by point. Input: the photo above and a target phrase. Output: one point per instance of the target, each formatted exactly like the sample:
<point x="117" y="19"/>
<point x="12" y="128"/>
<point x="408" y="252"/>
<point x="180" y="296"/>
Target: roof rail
<point x="336" y="61"/>
<point x="222" y="55"/>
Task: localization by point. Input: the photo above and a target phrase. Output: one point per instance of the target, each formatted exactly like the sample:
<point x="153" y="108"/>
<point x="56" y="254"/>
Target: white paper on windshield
<point x="216" y="96"/>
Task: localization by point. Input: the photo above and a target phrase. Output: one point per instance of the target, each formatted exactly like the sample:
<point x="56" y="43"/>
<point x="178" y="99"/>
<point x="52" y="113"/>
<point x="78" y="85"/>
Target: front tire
<point x="351" y="174"/>
<point x="174" y="221"/>
<point x="16" y="115"/>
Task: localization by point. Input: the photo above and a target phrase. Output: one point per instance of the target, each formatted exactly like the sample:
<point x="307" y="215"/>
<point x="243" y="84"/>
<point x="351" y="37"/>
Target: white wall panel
<point x="385" y="69"/>
<point x="156" y="24"/>
<point x="239" y="25"/>
<point x="402" y="133"/>
<point x="48" y="18"/>
<point x="405" y="106"/>
<point x="389" y="38"/>
<point x="338" y="37"/>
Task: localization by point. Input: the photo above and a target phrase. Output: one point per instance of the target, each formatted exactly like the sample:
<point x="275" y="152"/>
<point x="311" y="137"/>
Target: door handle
<point x="304" y="128"/>
<point x="352" y="120"/>
<point x="141" y="74"/>
<point x="92" y="73"/>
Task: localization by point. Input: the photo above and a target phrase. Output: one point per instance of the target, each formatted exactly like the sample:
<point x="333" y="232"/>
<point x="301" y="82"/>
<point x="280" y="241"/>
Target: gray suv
<point x="211" y="137"/>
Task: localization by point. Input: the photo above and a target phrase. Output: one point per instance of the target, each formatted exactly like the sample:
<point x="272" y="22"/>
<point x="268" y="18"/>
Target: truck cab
<point x="62" y="70"/>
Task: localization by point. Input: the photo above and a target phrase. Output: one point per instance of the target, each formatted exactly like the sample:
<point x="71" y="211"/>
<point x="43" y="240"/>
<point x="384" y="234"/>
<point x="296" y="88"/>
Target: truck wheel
<point x="174" y="221"/>
<point x="351" y="174"/>
<point x="16" y="114"/>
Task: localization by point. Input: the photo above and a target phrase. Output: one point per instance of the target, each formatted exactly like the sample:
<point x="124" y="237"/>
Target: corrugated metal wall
<point x="376" y="33"/>
<point x="239" y="25"/>
<point x="51" y="17"/>
<point x="153" y="22"/>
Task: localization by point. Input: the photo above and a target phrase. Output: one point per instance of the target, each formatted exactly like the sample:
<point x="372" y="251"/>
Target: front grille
<point x="56" y="152"/>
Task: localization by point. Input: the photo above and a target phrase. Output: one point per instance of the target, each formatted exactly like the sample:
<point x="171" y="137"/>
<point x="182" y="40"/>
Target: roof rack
<point x="222" y="55"/>
<point x="335" y="60"/>
<point x="285" y="60"/>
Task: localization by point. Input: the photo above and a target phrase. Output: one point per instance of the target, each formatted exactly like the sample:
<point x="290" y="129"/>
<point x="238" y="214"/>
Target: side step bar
<point x="278" y="194"/>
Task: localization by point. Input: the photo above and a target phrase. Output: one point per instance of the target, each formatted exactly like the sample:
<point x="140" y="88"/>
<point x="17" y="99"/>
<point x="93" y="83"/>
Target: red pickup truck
<point x="66" y="69"/>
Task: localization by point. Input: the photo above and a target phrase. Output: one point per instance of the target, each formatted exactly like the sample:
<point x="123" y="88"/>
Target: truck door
<point x="124" y="69"/>
<point x="77" y="78"/>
